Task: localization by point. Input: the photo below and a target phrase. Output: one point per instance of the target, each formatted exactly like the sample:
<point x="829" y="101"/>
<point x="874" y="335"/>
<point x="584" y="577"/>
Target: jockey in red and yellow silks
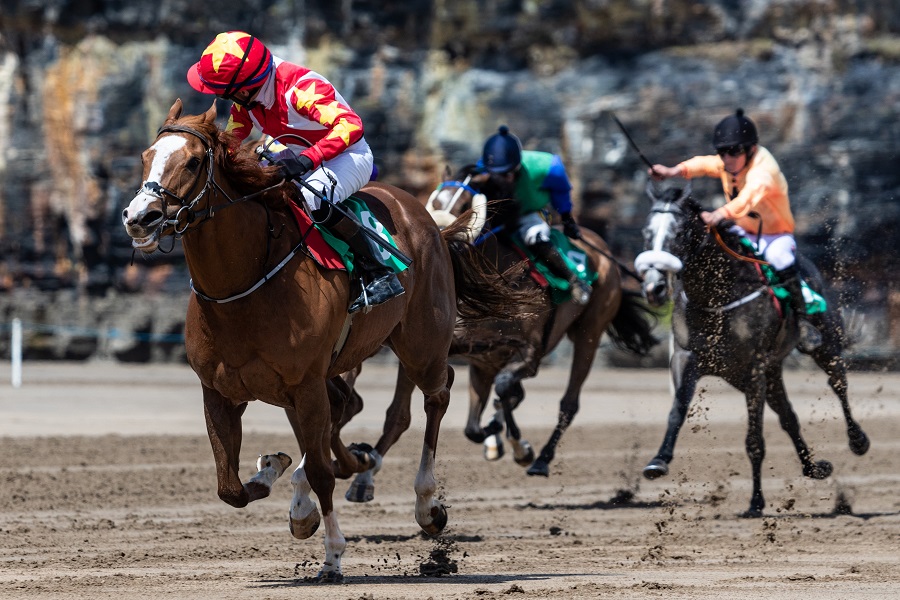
<point x="281" y="98"/>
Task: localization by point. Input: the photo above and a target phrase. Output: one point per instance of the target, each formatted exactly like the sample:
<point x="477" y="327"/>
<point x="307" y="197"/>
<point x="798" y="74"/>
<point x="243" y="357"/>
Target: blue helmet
<point x="502" y="152"/>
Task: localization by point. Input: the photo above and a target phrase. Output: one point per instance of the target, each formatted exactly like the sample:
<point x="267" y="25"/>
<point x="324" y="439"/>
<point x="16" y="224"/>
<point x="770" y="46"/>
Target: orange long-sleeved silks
<point x="761" y="188"/>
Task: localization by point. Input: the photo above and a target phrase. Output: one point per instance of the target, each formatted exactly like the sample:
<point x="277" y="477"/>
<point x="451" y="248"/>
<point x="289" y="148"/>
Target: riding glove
<point x="570" y="227"/>
<point x="295" y="168"/>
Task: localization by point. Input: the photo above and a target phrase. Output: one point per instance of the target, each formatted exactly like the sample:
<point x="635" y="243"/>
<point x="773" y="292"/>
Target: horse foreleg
<point x="776" y="397"/>
<point x="756" y="445"/>
<point x="304" y="515"/>
<point x="685" y="374"/>
<point x="508" y="385"/>
<point x="480" y="382"/>
<point x="397" y="420"/>
<point x="223" y="423"/>
<point x="829" y="358"/>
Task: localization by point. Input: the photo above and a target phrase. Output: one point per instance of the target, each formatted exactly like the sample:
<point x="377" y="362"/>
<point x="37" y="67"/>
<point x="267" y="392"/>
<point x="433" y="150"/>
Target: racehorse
<point x="504" y="361"/>
<point x="268" y="322"/>
<point x="726" y="322"/>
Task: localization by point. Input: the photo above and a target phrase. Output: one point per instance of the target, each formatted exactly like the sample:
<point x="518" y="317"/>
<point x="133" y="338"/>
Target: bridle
<point x="186" y="210"/>
<point x="444" y="216"/>
<point x="191" y="216"/>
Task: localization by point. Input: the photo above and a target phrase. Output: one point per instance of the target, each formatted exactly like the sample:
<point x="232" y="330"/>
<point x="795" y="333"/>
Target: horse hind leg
<point x="829" y="357"/>
<point x="396" y="421"/>
<point x="431" y="514"/>
<point x="776" y="397"/>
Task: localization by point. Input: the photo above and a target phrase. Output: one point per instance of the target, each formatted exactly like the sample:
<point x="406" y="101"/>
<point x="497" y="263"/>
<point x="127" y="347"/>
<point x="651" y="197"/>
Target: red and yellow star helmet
<point x="235" y="60"/>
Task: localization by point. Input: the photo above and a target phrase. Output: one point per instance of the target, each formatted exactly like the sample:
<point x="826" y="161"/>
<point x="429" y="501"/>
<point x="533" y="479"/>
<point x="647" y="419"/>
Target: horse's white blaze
<point x="163" y="151"/>
<point x="662" y="224"/>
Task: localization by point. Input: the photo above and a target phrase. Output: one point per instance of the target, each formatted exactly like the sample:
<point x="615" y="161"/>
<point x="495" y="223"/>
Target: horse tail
<point x="482" y="291"/>
<point x="632" y="327"/>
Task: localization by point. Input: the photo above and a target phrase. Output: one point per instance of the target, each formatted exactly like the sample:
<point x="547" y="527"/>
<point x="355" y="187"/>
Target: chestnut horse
<point x="267" y="322"/>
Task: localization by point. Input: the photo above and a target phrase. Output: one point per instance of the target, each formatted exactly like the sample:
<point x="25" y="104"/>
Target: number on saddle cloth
<point x="815" y="302"/>
<point x="576" y="259"/>
<point x="370" y="221"/>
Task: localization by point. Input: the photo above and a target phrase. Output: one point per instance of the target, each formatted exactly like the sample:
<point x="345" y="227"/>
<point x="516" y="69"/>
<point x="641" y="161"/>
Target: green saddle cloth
<point x="815" y="302"/>
<point x="369" y="221"/>
<point x="576" y="259"/>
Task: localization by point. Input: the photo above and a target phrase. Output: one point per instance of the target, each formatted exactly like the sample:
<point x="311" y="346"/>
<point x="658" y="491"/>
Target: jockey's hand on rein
<point x="295" y="168"/>
<point x="570" y="227"/>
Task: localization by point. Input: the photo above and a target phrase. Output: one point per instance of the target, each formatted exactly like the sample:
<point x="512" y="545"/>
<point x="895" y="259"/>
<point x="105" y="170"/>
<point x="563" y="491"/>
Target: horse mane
<point x="240" y="164"/>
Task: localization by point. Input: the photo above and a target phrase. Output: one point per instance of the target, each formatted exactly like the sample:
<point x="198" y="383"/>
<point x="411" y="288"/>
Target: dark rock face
<point x="85" y="85"/>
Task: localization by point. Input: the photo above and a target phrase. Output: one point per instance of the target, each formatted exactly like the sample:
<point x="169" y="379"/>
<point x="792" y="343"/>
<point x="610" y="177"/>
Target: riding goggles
<point x="731" y="151"/>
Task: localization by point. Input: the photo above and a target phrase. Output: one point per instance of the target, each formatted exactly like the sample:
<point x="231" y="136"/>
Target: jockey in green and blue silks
<point x="534" y="181"/>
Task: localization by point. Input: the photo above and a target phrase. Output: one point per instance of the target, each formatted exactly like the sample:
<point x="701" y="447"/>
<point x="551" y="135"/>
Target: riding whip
<point x="631" y="141"/>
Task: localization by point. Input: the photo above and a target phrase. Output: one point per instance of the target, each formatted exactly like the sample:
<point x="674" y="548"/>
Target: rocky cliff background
<point x="85" y="84"/>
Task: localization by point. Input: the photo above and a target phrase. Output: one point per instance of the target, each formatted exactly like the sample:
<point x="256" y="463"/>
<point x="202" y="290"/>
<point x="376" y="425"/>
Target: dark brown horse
<point x="503" y="361"/>
<point x="268" y="323"/>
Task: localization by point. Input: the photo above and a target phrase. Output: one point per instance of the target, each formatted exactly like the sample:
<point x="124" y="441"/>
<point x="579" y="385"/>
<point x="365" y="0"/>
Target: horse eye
<point x="193" y="163"/>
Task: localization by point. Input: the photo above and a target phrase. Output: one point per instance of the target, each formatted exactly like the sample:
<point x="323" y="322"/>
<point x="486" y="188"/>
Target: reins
<point x="732" y="253"/>
<point x="154" y="188"/>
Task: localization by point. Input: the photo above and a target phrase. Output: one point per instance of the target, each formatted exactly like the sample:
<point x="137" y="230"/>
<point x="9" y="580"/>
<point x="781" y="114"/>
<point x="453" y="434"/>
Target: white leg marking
<point x="304" y="516"/>
<point x="425" y="487"/>
<point x="335" y="544"/>
<point x="270" y="468"/>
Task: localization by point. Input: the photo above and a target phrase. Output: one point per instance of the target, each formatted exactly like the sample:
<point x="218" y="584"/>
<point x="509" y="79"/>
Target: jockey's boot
<point x="380" y="283"/>
<point x="790" y="281"/>
<point x="547" y="252"/>
<point x="810" y="337"/>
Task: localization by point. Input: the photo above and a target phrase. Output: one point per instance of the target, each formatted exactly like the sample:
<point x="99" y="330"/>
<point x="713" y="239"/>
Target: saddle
<point x="576" y="259"/>
<point x="815" y="302"/>
<point x="333" y="253"/>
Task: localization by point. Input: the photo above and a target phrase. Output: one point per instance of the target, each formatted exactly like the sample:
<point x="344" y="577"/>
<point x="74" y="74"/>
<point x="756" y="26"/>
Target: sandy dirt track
<point x="108" y="491"/>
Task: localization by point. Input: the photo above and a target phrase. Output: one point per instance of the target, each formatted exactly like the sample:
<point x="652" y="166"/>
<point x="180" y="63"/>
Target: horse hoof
<point x="859" y="441"/>
<point x="527" y="455"/>
<point x="329" y="577"/>
<point x="280" y="462"/>
<point x="360" y="492"/>
<point x="818" y="470"/>
<point x="303" y="529"/>
<point x="539" y="467"/>
<point x="656" y="468"/>
<point x="493" y="448"/>
<point x="752" y="513"/>
<point x="438" y="521"/>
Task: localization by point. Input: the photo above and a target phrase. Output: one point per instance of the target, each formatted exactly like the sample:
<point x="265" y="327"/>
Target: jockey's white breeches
<point x="339" y="177"/>
<point x="778" y="249"/>
<point x="533" y="228"/>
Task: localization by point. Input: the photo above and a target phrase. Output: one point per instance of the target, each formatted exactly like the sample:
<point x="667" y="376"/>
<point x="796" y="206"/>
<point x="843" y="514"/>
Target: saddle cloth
<point x="576" y="259"/>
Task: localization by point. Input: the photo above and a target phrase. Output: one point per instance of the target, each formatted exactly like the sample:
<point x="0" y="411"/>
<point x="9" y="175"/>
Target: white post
<point x="16" y="353"/>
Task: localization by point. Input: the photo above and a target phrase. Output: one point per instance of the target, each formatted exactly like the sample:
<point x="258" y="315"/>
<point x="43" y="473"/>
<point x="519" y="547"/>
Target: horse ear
<point x="650" y="191"/>
<point x="210" y="115"/>
<point x="174" y="112"/>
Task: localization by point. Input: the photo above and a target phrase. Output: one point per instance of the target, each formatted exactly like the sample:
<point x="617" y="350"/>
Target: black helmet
<point x="735" y="130"/>
<point x="502" y="152"/>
